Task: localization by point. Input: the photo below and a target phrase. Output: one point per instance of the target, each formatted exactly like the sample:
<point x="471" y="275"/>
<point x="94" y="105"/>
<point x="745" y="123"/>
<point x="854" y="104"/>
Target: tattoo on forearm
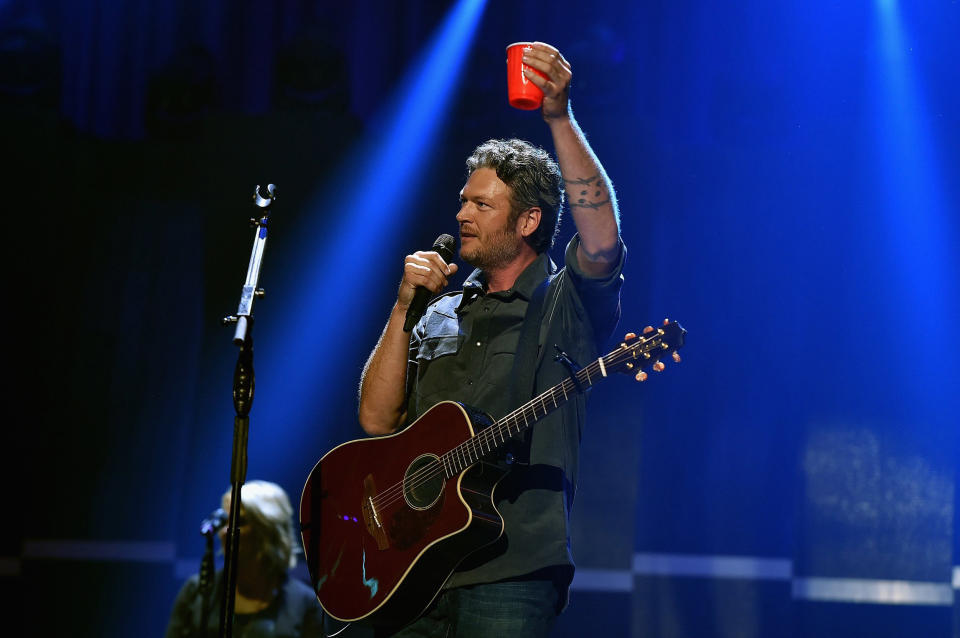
<point x="585" y="204"/>
<point x="583" y="181"/>
<point x="580" y="195"/>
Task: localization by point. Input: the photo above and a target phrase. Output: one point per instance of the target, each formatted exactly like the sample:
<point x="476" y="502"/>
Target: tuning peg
<point x="666" y="322"/>
<point x="630" y="336"/>
<point x="676" y="357"/>
<point x="641" y="376"/>
<point x="648" y="330"/>
<point x="658" y="366"/>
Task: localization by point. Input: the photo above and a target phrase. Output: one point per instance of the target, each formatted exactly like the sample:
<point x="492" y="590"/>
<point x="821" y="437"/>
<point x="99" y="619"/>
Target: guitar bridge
<point x="370" y="516"/>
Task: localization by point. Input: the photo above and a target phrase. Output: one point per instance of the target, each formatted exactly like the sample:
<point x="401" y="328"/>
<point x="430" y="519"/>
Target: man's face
<point x="488" y="239"/>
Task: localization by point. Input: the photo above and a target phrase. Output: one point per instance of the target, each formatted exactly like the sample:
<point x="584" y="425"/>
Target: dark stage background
<point x="788" y="179"/>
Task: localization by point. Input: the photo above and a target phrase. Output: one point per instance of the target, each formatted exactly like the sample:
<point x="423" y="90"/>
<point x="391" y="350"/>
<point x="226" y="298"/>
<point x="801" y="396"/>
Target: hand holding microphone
<point x="424" y="275"/>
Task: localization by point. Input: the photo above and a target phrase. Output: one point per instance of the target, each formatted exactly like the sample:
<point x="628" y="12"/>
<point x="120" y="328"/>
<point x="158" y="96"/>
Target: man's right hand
<point x="423" y="268"/>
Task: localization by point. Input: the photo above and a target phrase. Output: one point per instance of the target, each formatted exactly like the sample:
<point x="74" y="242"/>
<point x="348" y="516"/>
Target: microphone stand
<point x="243" y="385"/>
<point x="207" y="573"/>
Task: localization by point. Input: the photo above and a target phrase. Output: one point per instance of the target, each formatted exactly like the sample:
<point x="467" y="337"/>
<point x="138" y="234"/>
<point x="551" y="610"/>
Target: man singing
<point x="463" y="350"/>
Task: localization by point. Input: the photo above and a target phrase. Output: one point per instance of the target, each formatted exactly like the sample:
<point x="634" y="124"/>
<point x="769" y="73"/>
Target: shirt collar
<point x="525" y="285"/>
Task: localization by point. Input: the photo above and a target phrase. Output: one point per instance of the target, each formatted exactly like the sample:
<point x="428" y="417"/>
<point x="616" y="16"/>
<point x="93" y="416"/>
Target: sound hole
<point x="423" y="482"/>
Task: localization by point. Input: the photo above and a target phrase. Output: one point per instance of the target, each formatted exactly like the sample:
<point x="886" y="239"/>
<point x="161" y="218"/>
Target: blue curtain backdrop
<point x="788" y="178"/>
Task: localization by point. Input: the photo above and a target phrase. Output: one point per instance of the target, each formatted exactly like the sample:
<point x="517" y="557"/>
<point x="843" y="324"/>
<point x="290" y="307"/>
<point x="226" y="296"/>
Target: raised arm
<point x="590" y="194"/>
<point x="384" y="380"/>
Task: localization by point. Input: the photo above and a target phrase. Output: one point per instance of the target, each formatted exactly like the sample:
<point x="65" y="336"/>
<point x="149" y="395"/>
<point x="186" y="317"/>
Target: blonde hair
<point x="267" y="509"/>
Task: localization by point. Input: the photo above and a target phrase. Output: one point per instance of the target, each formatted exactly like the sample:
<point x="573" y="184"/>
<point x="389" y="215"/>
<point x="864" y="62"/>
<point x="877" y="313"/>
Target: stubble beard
<point x="496" y="251"/>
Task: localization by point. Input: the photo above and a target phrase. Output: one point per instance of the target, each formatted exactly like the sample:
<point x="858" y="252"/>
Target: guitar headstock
<point x="637" y="353"/>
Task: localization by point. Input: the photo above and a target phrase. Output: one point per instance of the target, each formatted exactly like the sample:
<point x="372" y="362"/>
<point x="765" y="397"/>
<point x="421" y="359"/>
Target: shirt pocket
<point x="442" y="337"/>
<point x="438" y="375"/>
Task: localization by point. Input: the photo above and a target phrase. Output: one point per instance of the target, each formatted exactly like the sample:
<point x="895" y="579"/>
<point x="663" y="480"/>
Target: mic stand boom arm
<point x="243" y="386"/>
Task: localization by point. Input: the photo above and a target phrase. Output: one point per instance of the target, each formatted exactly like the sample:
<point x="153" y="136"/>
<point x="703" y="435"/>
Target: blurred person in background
<point x="269" y="601"/>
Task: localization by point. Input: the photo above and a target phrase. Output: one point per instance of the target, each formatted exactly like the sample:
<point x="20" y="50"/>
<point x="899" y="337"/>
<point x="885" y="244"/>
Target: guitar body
<point x="386" y="520"/>
<point x="383" y="527"/>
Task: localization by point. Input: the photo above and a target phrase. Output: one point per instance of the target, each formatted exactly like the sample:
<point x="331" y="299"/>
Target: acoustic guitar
<point x="386" y="520"/>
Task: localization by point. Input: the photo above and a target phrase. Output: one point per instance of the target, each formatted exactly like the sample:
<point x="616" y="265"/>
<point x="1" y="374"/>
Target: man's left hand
<point x="556" y="86"/>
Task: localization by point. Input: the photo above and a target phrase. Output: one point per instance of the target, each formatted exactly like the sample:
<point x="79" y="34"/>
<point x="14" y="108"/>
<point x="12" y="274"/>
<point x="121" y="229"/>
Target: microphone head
<point x="444" y="247"/>
<point x="215" y="522"/>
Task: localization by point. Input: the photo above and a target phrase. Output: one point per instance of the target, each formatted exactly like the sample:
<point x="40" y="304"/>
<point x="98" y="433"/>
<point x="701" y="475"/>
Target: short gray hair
<point x="534" y="180"/>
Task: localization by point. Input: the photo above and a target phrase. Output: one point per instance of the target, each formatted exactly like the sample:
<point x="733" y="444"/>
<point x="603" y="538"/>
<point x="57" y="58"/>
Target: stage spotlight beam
<point x="349" y="242"/>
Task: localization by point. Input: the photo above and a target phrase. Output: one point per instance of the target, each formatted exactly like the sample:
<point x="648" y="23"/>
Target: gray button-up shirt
<point x="463" y="350"/>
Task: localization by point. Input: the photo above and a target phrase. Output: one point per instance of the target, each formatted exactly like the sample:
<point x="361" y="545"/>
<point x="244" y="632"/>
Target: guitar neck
<point x="632" y="357"/>
<point x="495" y="437"/>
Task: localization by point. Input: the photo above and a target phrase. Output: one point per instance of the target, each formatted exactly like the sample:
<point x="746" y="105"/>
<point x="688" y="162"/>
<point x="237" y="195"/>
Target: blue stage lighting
<point x="913" y="202"/>
<point x="918" y="285"/>
<point x="347" y="243"/>
<point x="888" y="6"/>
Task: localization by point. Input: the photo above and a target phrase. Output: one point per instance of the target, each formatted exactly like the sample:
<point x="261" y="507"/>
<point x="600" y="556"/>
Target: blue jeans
<point x="521" y="608"/>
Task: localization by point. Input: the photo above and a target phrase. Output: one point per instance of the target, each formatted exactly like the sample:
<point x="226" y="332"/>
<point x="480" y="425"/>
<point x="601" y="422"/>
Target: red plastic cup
<point x="521" y="92"/>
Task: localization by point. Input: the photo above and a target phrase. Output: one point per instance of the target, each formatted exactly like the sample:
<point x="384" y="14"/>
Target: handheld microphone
<point x="443" y="247"/>
<point x="215" y="522"/>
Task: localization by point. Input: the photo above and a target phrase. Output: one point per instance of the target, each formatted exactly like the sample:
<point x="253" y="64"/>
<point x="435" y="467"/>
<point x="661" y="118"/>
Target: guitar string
<point x="470" y="447"/>
<point x="463" y="450"/>
<point x="395" y="493"/>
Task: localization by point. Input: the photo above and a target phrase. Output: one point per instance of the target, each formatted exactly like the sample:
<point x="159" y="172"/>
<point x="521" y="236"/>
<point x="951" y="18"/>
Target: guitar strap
<point x="525" y="361"/>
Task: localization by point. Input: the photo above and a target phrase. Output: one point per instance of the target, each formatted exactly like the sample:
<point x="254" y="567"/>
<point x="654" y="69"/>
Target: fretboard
<point x="634" y="357"/>
<point x="496" y="436"/>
